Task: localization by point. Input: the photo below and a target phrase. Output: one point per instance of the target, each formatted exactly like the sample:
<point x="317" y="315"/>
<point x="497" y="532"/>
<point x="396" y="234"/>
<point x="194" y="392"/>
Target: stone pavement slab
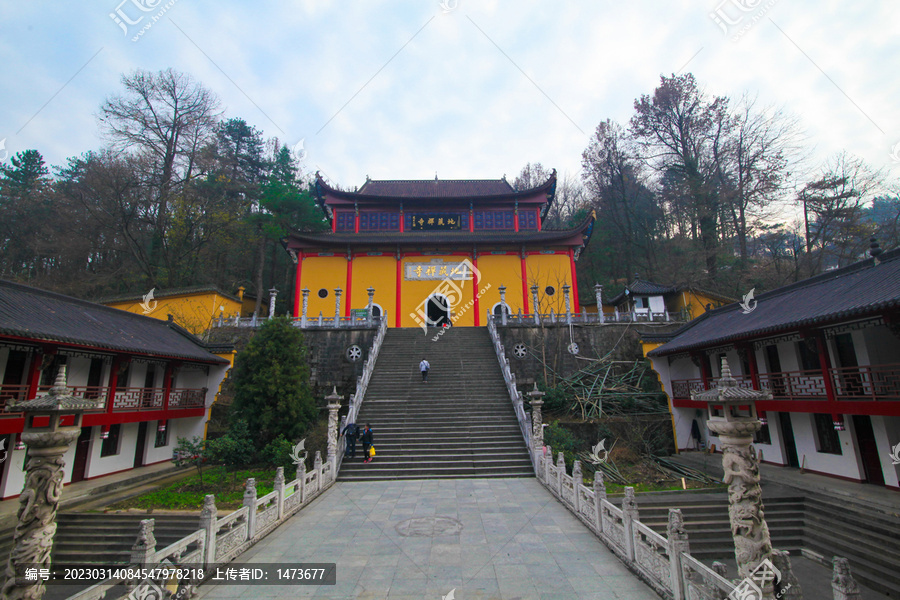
<point x="498" y="539"/>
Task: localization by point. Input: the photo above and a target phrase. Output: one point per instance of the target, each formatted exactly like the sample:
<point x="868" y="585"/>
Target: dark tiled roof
<point x="35" y="314"/>
<point x="577" y="235"/>
<point x="642" y="287"/>
<point x="436" y="188"/>
<point x="856" y="291"/>
<point x="169" y="293"/>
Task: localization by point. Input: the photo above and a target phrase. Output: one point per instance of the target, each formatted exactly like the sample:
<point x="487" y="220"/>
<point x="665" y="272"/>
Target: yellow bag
<point x="371" y="451"/>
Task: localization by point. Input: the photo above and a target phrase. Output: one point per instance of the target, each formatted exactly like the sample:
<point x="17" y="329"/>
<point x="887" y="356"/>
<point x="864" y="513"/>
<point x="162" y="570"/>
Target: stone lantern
<point x="47" y="440"/>
<point x="732" y="417"/>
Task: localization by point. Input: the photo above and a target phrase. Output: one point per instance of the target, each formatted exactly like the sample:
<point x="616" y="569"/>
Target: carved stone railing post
<point x="334" y="405"/>
<point x="250" y="503"/>
<point x="272" y="294"/>
<point x="371" y="292"/>
<point x="537" y="424"/>
<point x="39" y="501"/>
<point x="677" y="539"/>
<point x="560" y="472"/>
<point x="735" y="426"/>
<point x="566" y="289"/>
<point x="842" y="582"/>
<point x="503" y="316"/>
<point x="548" y="466"/>
<point x="305" y="308"/>
<point x="208" y="517"/>
<point x="278" y="487"/>
<point x="145" y="545"/>
<point x="301" y="481"/>
<point x="629" y="516"/>
<point x="337" y="307"/>
<point x="577" y="482"/>
<point x="317" y="465"/>
<point x="788" y="587"/>
<point x="534" y="304"/>
<point x="598" y="293"/>
<point x="321" y="320"/>
<point x="599" y="497"/>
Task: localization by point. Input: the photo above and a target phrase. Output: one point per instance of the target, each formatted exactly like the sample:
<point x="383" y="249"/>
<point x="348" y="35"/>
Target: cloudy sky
<point x="464" y="89"/>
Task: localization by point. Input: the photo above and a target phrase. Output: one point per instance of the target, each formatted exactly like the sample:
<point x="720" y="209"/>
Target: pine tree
<point x="271" y="384"/>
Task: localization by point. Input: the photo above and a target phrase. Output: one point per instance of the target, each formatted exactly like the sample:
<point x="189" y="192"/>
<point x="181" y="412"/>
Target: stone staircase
<point x="98" y="538"/>
<point x="459" y="424"/>
<point x="869" y="539"/>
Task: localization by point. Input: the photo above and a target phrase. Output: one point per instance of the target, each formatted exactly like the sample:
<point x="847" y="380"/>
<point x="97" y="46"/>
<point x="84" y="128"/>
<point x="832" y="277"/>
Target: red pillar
<point x="524" y="285"/>
<point x="704" y="371"/>
<point x="516" y="217"/>
<point x="539" y="219"/>
<point x="399" y="283"/>
<point x="577" y="308"/>
<point x="34" y="375"/>
<point x="825" y="365"/>
<point x="754" y="368"/>
<point x="356" y="221"/>
<point x="333" y="222"/>
<point x="113" y="383"/>
<point x="471" y="218"/>
<point x="475" y="284"/>
<point x="349" y="282"/>
<point x="297" y="287"/>
<point x="167" y="385"/>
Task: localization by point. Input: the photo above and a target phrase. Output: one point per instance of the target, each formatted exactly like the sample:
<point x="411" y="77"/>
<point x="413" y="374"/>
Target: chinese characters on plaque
<point x="432" y="222"/>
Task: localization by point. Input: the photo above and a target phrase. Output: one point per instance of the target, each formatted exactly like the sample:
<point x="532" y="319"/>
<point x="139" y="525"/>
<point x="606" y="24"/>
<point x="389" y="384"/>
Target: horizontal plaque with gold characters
<point x="432" y="222"/>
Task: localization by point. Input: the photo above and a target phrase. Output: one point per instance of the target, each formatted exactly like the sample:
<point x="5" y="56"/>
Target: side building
<point x="406" y="239"/>
<point x="828" y="350"/>
<point x="153" y="381"/>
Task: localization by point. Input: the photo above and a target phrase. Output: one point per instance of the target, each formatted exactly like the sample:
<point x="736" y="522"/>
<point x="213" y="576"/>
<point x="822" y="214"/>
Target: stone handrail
<point x="308" y="323"/>
<point x="514" y="394"/>
<point x="585" y="318"/>
<point x="219" y="540"/>
<point x="362" y="384"/>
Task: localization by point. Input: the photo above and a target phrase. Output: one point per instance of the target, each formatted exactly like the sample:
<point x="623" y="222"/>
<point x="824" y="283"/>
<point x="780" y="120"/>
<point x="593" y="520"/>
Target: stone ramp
<point x="485" y="538"/>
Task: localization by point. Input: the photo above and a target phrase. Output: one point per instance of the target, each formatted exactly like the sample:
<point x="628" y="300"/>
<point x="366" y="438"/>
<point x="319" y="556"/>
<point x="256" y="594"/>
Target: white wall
<point x="843" y="465"/>
<point x="102" y="465"/>
<point x="887" y="435"/>
<point x="657" y="304"/>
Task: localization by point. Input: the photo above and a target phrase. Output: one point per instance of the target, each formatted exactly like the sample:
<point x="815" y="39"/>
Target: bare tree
<point x="682" y="130"/>
<point x="752" y="166"/>
<point x="166" y="119"/>
<point x="833" y="211"/>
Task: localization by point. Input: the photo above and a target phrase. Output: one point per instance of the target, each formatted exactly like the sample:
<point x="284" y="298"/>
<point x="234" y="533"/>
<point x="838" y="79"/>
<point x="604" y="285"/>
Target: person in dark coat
<point x="351" y="434"/>
<point x="367" y="442"/>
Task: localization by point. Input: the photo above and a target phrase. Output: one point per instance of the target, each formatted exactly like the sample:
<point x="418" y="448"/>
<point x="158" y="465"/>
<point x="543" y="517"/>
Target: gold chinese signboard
<point x="432" y="222"/>
<point x="437" y="269"/>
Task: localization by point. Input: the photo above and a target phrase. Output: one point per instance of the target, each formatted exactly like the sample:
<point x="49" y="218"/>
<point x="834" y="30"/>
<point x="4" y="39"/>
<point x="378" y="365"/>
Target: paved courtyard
<point x="502" y="538"/>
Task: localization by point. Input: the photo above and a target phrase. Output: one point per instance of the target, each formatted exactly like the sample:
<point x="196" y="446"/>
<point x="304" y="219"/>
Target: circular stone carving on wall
<point x="323" y="293"/>
<point x="429" y="527"/>
<point x="354" y="353"/>
<point x="520" y="350"/>
<point x="549" y="290"/>
<point x="573" y="348"/>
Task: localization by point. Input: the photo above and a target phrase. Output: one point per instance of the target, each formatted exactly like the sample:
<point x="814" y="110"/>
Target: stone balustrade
<point x="219" y="540"/>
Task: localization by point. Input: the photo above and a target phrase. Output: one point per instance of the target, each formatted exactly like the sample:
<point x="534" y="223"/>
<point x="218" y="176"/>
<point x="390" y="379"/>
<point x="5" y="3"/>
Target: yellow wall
<point x="500" y="270"/>
<point x="695" y="302"/>
<point x="195" y="312"/>
<point x="328" y="272"/>
<point x="380" y="273"/>
<point x="414" y="293"/>
<point x="550" y="270"/>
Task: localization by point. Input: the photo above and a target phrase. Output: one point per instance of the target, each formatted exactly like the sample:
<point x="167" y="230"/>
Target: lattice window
<point x="345" y="220"/>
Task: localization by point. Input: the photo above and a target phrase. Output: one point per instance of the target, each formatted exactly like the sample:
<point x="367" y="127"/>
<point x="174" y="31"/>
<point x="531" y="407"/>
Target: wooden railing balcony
<point x="864" y="383"/>
<point x="126" y="399"/>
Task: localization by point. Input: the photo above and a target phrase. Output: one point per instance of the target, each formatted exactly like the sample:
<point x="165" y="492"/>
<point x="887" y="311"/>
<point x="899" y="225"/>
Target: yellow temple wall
<point x="195" y="312"/>
<point x="328" y="272"/>
<point x="380" y="273"/>
<point x="550" y="270"/>
<point x="500" y="270"/>
<point x="414" y="293"/>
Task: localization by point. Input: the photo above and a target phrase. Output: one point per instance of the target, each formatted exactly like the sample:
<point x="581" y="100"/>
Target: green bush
<point x="235" y="449"/>
<point x="562" y="440"/>
<point x="271" y="384"/>
<point x="277" y="453"/>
